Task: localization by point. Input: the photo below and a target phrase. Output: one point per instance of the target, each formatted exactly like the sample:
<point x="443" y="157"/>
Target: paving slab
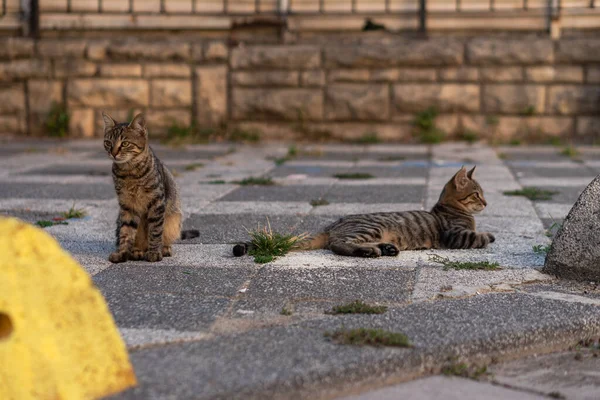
<point x="376" y="194"/>
<point x="56" y="191"/>
<point x="277" y="193"/>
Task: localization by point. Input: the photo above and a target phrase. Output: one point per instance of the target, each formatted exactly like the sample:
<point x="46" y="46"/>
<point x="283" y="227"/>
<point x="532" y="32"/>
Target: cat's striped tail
<point x="318" y="241"/>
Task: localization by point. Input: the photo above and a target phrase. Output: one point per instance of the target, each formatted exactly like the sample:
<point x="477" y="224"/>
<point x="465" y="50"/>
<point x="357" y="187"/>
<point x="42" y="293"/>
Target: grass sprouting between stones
<point x="357" y="307"/>
<point x="368" y="337"/>
<point x="74" y="213"/>
<point x="319" y="202"/>
<point x="532" y="193"/>
<point x="355" y="175"/>
<point x="541" y="248"/>
<point x="46" y="223"/>
<point x="463" y="370"/>
<point x="255" y="181"/>
<point x="286" y="312"/>
<point x="468" y="265"/>
<point x="194" y="166"/>
<point x="391" y="158"/>
<point x="368" y="138"/>
<point x="570" y="152"/>
<point x="266" y="245"/>
<point x="217" y="182"/>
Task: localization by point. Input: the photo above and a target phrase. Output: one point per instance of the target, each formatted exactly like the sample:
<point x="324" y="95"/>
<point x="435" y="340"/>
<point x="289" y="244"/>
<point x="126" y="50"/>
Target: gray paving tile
<point x="165" y="310"/>
<point x="564" y="195"/>
<point x="405" y="170"/>
<point x="73" y="169"/>
<point x="29" y="216"/>
<point x="187" y="280"/>
<point x="277" y="193"/>
<point x="232" y="228"/>
<point x="376" y="194"/>
<point x="356" y="155"/>
<point x="315" y="223"/>
<point x="56" y="191"/>
<point x="273" y="286"/>
<point x="541" y="172"/>
<point x="309" y="170"/>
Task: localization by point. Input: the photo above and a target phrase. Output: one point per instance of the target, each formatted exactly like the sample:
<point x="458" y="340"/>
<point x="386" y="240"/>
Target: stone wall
<point x="496" y="88"/>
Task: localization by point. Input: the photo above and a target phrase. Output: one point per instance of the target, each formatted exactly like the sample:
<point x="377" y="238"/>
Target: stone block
<point x="42" y="94"/>
<point x="284" y="57"/>
<point x="348" y="75"/>
<point x="65" y="68"/>
<point x="581" y="50"/>
<point x="397" y="52"/>
<point x="588" y="129"/>
<point x="97" y="50"/>
<point x="514" y="99"/>
<point x="448" y="97"/>
<point x="197" y="52"/>
<point x="528" y="129"/>
<point x="58" y="48"/>
<point x="575" y="253"/>
<point x="554" y="74"/>
<point x="160" y="120"/>
<point x="404" y="75"/>
<point x="287" y="104"/>
<point x="81" y="123"/>
<point x="11" y="124"/>
<point x="357" y="102"/>
<point x="106" y="93"/>
<point x="502" y="74"/>
<point x="211" y="95"/>
<point x="265" y="78"/>
<point x="313" y="78"/>
<point x="16" y="47"/>
<point x="494" y="51"/>
<point x="216" y="51"/>
<point x="121" y="70"/>
<point x="459" y="74"/>
<point x="139" y="50"/>
<point x="593" y="74"/>
<point x="574" y="99"/>
<point x="167" y="71"/>
<point x="12" y="99"/>
<point x="171" y="93"/>
<point x="26" y="68"/>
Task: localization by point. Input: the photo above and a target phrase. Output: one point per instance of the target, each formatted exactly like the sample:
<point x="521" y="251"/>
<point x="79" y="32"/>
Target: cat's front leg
<point x="156" y="223"/>
<point x="127" y="225"/>
<point x="466" y="239"/>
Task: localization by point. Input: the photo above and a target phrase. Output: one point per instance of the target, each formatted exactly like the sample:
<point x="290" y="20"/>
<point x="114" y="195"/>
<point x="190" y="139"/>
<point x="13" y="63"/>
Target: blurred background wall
<point x="502" y="70"/>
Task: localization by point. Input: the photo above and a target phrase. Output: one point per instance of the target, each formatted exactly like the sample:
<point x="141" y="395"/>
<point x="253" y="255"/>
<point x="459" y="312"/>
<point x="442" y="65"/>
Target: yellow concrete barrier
<point x="57" y="338"/>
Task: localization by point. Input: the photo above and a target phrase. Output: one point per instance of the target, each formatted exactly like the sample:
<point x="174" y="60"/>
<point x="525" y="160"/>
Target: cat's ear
<point x="109" y="123"/>
<point x="460" y="179"/>
<point x="471" y="171"/>
<point x="139" y="124"/>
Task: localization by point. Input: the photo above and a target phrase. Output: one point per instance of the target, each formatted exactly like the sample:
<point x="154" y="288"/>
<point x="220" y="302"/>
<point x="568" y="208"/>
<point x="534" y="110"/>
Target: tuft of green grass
<point x="369" y="337"/>
<point x="553" y="229"/>
<point x="528" y="111"/>
<point x="357" y="307"/>
<point x="503" y="156"/>
<point x="532" y="193"/>
<point x="194" y="166"/>
<point x="285" y="311"/>
<point x="570" y="152"/>
<point x="541" y="248"/>
<point x="515" y="142"/>
<point x="266" y="245"/>
<point x="463" y="370"/>
<point x="57" y="121"/>
<point x="355" y="175"/>
<point x="74" y="213"/>
<point x="426" y="129"/>
<point x="255" y="181"/>
<point x="245" y="135"/>
<point x="470" y="136"/>
<point x="555" y="141"/>
<point x="46" y="223"/>
<point x="368" y="138"/>
<point x="319" y="202"/>
<point x="469" y="265"/>
<point x="292" y="153"/>
<point x="217" y="182"/>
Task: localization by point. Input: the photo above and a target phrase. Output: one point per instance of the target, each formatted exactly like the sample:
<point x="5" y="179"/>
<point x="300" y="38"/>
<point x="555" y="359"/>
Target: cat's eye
<point x="107" y="143"/>
<point x="125" y="144"/>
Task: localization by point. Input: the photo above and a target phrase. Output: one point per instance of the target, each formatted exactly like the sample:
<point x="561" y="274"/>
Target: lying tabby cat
<point x="150" y="213"/>
<point x="449" y="225"/>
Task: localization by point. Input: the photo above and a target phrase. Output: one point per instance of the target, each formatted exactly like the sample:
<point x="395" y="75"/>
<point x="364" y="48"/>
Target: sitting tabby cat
<point x="150" y="213"/>
<point x="449" y="225"/>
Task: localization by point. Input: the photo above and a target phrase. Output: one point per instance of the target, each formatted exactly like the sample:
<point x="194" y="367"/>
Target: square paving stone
<point x="277" y="193"/>
<point x="317" y="155"/>
<point x="165" y="310"/>
<point x="30" y="216"/>
<point x="69" y="191"/>
<point x="393" y="171"/>
<point x="273" y="284"/>
<point x="309" y="170"/>
<point x="540" y="172"/>
<point x="376" y="194"/>
<point x="564" y="194"/>
<point x="232" y="228"/>
<point x="73" y="169"/>
<point x="315" y="223"/>
<point x="160" y="279"/>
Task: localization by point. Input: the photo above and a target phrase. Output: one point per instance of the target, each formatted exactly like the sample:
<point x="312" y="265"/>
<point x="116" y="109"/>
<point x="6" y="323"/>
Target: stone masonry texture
<point x="501" y="88"/>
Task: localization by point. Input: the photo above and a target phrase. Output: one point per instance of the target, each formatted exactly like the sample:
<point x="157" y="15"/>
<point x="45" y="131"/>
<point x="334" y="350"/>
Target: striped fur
<point x="150" y="213"/>
<point x="449" y="225"/>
